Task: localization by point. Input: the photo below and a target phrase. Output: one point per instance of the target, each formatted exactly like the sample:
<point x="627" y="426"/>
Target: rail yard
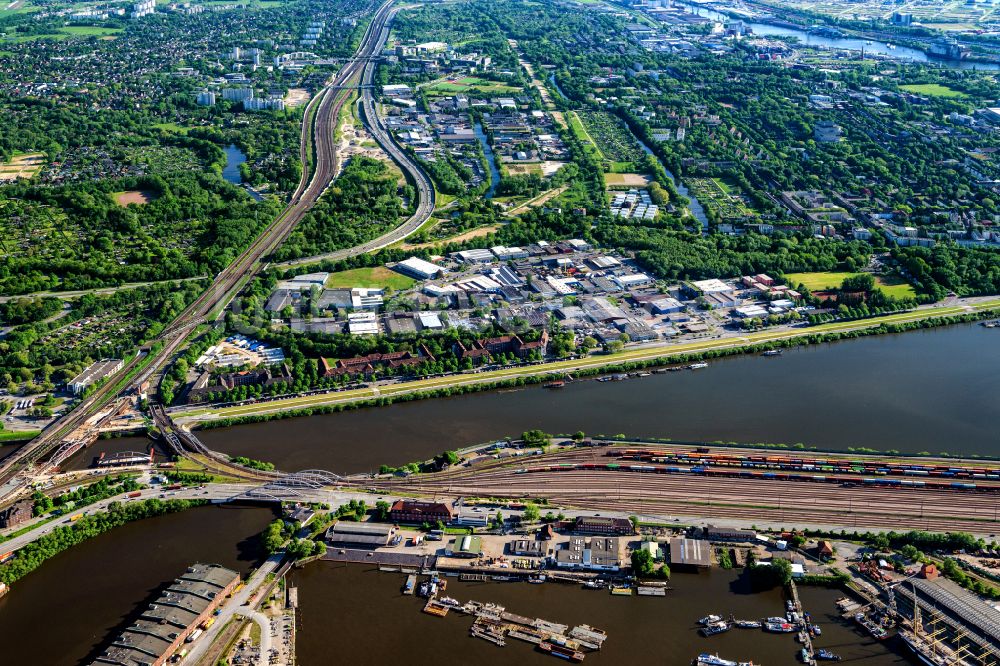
<point x="852" y="492"/>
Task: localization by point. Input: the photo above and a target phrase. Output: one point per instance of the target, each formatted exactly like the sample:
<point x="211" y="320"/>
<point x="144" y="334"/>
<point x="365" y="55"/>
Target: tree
<point x="382" y="509"/>
<point x="536" y="438"/>
<point x="642" y="563"/>
<point x="531" y="513"/>
<point x="880" y="542"/>
<point x="777" y="572"/>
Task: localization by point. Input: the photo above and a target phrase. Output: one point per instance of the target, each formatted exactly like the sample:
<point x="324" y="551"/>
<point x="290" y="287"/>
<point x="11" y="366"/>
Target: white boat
<point x="709" y="619"/>
<point x="706" y="659"/>
<point x="749" y="624"/>
<point x="697" y="366"/>
<point x="715" y="628"/>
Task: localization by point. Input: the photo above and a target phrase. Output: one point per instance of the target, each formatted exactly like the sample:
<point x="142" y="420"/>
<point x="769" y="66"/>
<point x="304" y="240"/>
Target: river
<point x="385" y="627"/>
<point x="234" y="158"/>
<point x="841" y="43"/>
<point x="934" y="390"/>
<point x="67" y="610"/>
<point x="697" y="210"/>
<point x="490" y="158"/>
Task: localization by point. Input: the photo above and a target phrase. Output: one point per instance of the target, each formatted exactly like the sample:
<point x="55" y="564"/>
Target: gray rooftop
<point x="173" y="612"/>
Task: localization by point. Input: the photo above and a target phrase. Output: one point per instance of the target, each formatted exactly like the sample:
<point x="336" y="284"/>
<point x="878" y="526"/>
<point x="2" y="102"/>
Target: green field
<point x="173" y="128"/>
<point x="932" y="90"/>
<point x="485" y="86"/>
<point x="370" y="277"/>
<point x="577" y="127"/>
<point x="892" y="286"/>
<point x="89" y="30"/>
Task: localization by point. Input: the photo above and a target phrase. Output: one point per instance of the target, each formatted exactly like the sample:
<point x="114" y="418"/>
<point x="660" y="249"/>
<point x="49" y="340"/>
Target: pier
<point x="805" y="636"/>
<point x="495" y="624"/>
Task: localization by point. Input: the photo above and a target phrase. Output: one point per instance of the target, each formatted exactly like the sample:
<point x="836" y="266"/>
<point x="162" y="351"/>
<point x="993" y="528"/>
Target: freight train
<point x="701" y="470"/>
<point x="789" y="463"/>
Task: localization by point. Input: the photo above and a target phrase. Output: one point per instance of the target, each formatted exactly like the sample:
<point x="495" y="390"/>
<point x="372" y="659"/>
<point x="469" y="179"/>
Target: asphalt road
<point x="425" y="189"/>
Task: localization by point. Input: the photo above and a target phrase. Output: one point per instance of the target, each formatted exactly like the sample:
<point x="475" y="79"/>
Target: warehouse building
<point x="416" y="267"/>
<point x="690" y="553"/>
<point x="348" y="534"/>
<point x="179" y="610"/>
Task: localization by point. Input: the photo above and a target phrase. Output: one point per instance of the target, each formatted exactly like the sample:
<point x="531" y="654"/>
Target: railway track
<point x="318" y="131"/>
<point x="756" y="500"/>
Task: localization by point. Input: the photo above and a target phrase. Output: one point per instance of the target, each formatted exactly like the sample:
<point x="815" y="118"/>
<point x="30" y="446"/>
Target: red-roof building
<point x="415" y="511"/>
<point x="368" y="366"/>
<point x="483" y="351"/>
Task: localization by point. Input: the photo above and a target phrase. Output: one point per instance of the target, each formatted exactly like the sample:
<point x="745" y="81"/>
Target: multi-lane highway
<point x="318" y="140"/>
<point x="421" y="181"/>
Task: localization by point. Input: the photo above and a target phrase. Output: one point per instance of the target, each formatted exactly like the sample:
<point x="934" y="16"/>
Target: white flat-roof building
<point x="94" y="373"/>
<point x="418" y="268"/>
<point x="504" y="253"/>
<point x="477" y="256"/>
<point x="304" y="282"/>
<point x="750" y="311"/>
<point x="631" y="280"/>
<point x="366" y="299"/>
<point x="395" y="90"/>
<point x="430" y="320"/>
<point x="362" y="323"/>
<point x="710" y="286"/>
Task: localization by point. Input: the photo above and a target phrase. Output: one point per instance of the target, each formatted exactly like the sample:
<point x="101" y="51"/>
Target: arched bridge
<point x="294" y="485"/>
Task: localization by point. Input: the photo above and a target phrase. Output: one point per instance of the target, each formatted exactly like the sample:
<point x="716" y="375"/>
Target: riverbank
<point x="35" y="553"/>
<point x="624" y="361"/>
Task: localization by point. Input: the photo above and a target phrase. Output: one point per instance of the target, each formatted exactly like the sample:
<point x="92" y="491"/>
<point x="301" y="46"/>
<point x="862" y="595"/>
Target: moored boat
<point x="716" y="628"/>
<point x="561" y="651"/>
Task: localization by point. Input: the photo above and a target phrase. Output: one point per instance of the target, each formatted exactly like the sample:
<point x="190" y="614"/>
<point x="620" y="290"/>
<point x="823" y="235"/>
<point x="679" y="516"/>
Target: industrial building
<point x="713" y="533"/>
<point x="690" y="553"/>
<point x="186" y="603"/>
<point x="16" y="514"/>
<point x="597" y="553"/>
<point x="528" y="548"/>
<point x="348" y="534"/>
<point x="418" y="268"/>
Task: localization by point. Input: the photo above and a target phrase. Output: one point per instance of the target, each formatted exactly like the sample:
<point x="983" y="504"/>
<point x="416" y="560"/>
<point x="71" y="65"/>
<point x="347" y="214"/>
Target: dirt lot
<point x="626" y="180"/>
<point x="22" y="166"/>
<point x="296" y="97"/>
<point x="140" y="197"/>
<point x="460" y="238"/>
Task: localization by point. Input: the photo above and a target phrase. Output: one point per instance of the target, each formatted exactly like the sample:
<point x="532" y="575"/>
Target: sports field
<point x="891" y="285"/>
